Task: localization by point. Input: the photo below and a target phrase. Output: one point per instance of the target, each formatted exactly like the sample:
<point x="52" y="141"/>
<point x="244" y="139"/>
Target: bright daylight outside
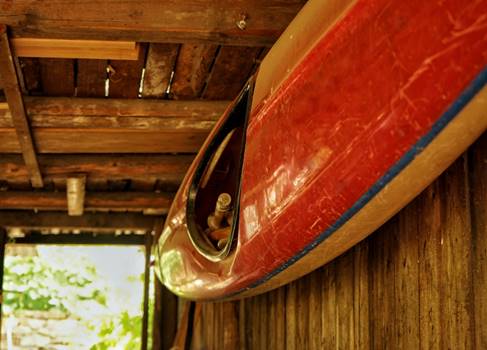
<point x="72" y="297"/>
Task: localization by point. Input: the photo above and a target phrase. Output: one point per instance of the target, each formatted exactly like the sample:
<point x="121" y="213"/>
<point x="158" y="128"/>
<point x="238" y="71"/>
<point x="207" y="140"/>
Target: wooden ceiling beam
<point x="66" y="112"/>
<point x="60" y="48"/>
<point x="106" y="140"/>
<point x="166" y="168"/>
<point x="13" y="95"/>
<point x="252" y="23"/>
<point x="132" y="201"/>
<point x="88" y="221"/>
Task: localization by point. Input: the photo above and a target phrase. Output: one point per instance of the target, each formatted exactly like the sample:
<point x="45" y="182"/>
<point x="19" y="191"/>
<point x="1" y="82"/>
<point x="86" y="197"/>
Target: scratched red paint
<point x="363" y="96"/>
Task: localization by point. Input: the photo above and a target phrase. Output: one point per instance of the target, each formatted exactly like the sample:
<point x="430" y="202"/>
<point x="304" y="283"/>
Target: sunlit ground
<point x="72" y="297"/>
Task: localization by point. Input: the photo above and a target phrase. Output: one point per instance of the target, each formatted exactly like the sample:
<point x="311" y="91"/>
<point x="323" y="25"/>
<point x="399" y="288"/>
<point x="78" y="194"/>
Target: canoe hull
<point x="374" y="111"/>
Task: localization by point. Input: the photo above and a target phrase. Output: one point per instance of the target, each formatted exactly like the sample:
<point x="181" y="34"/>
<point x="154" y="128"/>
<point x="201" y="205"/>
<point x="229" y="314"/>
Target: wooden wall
<point x="420" y="281"/>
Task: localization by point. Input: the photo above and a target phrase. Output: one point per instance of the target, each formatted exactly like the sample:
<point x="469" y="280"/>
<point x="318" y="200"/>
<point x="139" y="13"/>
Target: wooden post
<point x="165" y="322"/>
<point x="16" y="105"/>
<point x="3" y="240"/>
<point x="145" y="314"/>
<point x="75" y="191"/>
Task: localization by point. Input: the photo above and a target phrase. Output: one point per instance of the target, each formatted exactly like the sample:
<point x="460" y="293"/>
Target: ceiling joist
<point x="255" y="23"/>
<point x="166" y="168"/>
<point x="67" y="112"/>
<point x="21" y="134"/>
<point x="132" y="201"/>
<point x="88" y="221"/>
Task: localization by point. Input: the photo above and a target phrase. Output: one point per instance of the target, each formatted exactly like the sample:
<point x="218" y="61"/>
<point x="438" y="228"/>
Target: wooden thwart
<point x="19" y="118"/>
<point x="62" y="48"/>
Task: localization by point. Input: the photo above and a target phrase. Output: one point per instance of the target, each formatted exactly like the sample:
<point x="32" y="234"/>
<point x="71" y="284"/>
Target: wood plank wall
<point x="420" y="281"/>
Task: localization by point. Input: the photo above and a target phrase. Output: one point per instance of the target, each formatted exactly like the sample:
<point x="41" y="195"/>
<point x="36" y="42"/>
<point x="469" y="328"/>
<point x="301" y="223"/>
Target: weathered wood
<point x="406" y="283"/>
<point x="145" y="304"/>
<point x="328" y="315"/>
<point x="108" y="140"/>
<point x="478" y="200"/>
<point x="90" y="79"/>
<point x="88" y="221"/>
<point x="22" y="133"/>
<point x="232" y="68"/>
<point x="429" y="226"/>
<point x="125" y="76"/>
<point x="82" y="238"/>
<point x="148" y="21"/>
<point x="57" y="76"/>
<point x="61" y="48"/>
<point x="31" y="71"/>
<point x="101" y="200"/>
<point x="166" y="168"/>
<point x="291" y="317"/>
<point x="344" y="301"/>
<point x="361" y="296"/>
<point x="381" y="265"/>
<point x="192" y="68"/>
<point x="3" y="241"/>
<point x="457" y="314"/>
<point x="75" y="192"/>
<point x="161" y="59"/>
<point x="76" y="107"/>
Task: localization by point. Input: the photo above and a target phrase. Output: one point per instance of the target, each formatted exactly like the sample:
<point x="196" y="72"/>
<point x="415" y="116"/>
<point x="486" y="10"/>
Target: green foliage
<point x="124" y="333"/>
<point x="32" y="284"/>
<point x="73" y="286"/>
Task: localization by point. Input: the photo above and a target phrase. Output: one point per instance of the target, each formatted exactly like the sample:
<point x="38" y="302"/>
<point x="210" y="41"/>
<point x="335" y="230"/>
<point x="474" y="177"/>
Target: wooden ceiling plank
<point x="161" y="59"/>
<point x="124" y="107"/>
<point x="108" y="140"/>
<point x="151" y="21"/>
<point x="57" y="76"/>
<point x="88" y="49"/>
<point x="231" y="70"/>
<point x="170" y="168"/>
<point x="125" y="76"/>
<point x="31" y="71"/>
<point x="192" y="68"/>
<point x="138" y="201"/>
<point x="90" y="78"/>
<point x="17" y="109"/>
<point x="88" y="221"/>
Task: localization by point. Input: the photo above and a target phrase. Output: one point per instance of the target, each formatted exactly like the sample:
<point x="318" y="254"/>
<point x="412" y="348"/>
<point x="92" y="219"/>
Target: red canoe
<point x="355" y="110"/>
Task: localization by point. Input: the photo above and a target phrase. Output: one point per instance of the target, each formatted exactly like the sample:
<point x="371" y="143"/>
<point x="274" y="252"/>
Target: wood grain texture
<point x="88" y="221"/>
<point x="192" y="68"/>
<point x="149" y="21"/>
<point x="125" y="76"/>
<point x="31" y="72"/>
<point x="98" y="112"/>
<point x="91" y="77"/>
<point x="161" y="59"/>
<point x="22" y="133"/>
<point x="60" y="48"/>
<point x="231" y="70"/>
<point x="478" y="199"/>
<point x="137" y="201"/>
<point x="417" y="283"/>
<point x="164" y="168"/>
<point x="108" y="140"/>
<point x="57" y="76"/>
